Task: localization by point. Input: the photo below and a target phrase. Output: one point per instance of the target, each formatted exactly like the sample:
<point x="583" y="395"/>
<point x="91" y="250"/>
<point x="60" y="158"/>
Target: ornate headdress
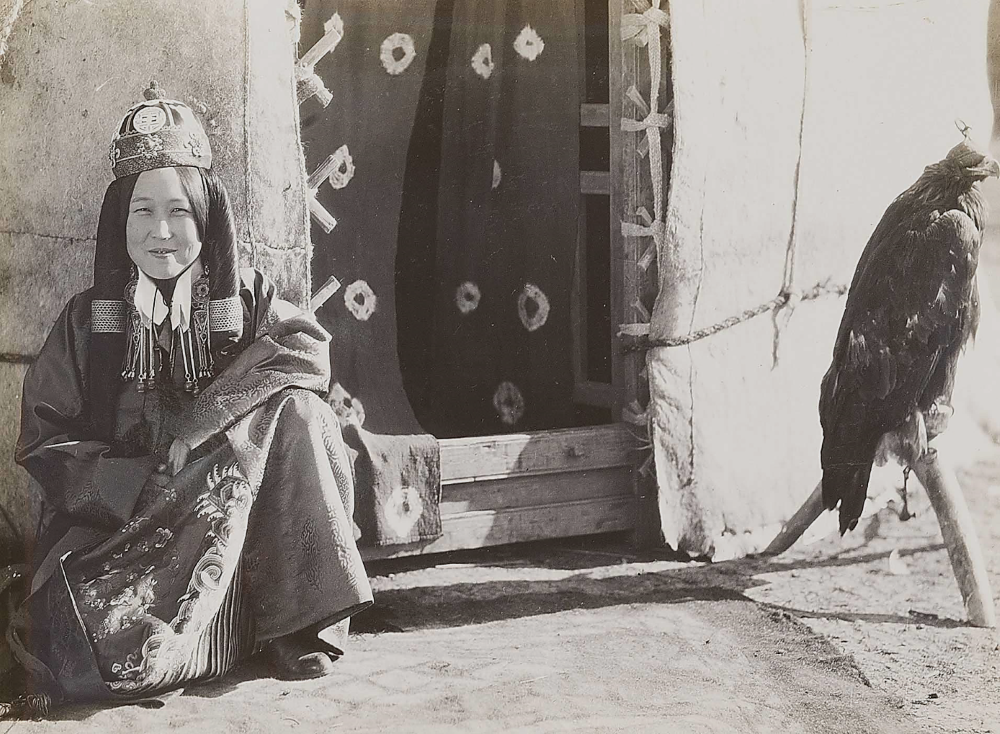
<point x="159" y="133"/>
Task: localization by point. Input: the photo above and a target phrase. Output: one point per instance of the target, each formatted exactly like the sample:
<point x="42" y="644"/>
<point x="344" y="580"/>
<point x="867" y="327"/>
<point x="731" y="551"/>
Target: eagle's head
<point x="969" y="164"/>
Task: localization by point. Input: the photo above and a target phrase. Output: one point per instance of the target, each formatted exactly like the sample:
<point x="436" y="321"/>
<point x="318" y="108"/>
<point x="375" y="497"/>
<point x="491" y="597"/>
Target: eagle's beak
<point x="989" y="167"/>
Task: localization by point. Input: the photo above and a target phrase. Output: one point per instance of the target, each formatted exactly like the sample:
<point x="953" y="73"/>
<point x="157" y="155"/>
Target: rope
<point x="12" y="358"/>
<point x="8" y="25"/>
<point x="783" y="314"/>
<point x="783" y="299"/>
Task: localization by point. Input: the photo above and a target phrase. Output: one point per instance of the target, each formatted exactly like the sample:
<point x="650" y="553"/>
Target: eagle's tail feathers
<point x="847" y="484"/>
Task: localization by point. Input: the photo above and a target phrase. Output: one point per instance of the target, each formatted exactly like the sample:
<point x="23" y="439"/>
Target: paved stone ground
<point x="574" y="636"/>
<point x="858" y="634"/>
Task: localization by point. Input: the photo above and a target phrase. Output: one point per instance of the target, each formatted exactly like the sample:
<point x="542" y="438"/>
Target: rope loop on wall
<point x="784" y="300"/>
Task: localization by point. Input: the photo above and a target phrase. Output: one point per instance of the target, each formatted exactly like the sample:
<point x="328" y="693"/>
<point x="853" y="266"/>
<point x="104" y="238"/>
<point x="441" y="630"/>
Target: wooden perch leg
<point x="797" y="524"/>
<point x="960" y="538"/>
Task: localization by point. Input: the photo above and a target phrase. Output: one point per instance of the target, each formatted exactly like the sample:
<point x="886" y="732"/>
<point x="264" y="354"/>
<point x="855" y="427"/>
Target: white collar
<point x="153" y="309"/>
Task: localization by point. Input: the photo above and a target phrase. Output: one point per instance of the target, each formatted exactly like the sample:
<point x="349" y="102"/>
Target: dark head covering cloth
<point x="157" y="133"/>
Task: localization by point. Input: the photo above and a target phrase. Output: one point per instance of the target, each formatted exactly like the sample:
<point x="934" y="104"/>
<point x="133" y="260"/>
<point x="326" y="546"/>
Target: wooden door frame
<point x="628" y="190"/>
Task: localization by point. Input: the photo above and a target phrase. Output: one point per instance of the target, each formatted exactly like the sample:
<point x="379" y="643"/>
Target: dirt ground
<point x="868" y="631"/>
<point x="901" y="620"/>
<point x="841" y="635"/>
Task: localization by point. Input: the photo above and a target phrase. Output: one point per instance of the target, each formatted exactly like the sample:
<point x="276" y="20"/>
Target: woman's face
<point x="161" y="231"/>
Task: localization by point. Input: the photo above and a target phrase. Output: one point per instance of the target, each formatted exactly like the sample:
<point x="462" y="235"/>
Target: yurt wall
<point x="796" y="124"/>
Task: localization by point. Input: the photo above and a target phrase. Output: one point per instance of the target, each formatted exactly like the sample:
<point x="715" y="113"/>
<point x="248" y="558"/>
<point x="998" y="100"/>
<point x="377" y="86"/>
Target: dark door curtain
<point x="489" y="222"/>
<point x="375" y="75"/>
<point x="457" y="223"/>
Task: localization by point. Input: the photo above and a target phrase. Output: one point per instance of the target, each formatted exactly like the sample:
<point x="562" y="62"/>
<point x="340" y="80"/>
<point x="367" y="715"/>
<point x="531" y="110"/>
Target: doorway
<point x="559" y="355"/>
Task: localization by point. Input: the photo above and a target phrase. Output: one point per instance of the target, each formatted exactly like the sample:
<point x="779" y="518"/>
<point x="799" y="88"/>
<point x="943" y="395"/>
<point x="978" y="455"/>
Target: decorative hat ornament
<point x="159" y="133"/>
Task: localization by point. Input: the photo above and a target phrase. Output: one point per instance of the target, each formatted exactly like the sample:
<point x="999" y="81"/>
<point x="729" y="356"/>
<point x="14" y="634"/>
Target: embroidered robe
<point x="138" y="588"/>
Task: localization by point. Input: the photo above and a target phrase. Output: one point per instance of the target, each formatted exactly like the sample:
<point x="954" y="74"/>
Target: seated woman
<point x="197" y="493"/>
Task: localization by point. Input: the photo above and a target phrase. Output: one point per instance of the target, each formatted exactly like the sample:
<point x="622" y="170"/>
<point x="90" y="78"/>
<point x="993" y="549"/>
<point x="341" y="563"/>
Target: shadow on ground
<point x="598" y="573"/>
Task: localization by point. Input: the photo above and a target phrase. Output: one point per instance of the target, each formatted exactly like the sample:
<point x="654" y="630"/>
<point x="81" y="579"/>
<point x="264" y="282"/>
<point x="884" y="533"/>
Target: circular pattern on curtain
<point x="343" y="170"/>
<point x="397" y="42"/>
<point x="403" y="508"/>
<point x="346" y="407"/>
<point x="528" y="43"/>
<point x="509" y="403"/>
<point x="467" y="297"/>
<point x="360" y="300"/>
<point x="482" y="61"/>
<point x="532" y="307"/>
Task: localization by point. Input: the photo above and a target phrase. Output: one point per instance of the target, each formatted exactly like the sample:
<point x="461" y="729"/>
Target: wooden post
<point x="960" y="538"/>
<point x="797" y="524"/>
<point x="625" y="193"/>
<point x="578" y="299"/>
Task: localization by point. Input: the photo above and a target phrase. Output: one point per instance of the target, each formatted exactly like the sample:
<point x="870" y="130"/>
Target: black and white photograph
<point x="500" y="366"/>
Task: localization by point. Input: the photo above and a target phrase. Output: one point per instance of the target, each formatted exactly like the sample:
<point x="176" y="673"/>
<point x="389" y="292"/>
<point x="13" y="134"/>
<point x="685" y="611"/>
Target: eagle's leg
<point x="904" y="513"/>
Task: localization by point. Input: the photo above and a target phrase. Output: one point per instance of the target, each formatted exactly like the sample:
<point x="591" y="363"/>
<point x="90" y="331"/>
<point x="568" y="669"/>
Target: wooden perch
<point x="960" y="538"/>
<point x="797" y="524"/>
<point x="957" y="529"/>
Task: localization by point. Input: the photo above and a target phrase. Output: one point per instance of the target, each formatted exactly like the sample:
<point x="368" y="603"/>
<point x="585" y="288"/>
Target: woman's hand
<point x="177" y="456"/>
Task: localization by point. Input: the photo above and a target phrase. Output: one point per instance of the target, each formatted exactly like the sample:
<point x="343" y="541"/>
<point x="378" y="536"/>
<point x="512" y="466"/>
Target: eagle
<point x="912" y="306"/>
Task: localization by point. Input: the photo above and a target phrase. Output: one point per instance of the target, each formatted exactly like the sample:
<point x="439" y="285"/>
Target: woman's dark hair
<point x="113" y="271"/>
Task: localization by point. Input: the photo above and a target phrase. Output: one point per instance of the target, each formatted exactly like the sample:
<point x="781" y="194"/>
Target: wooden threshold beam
<point x="542" y="452"/>
<point x="530" y="486"/>
<point x="485" y="528"/>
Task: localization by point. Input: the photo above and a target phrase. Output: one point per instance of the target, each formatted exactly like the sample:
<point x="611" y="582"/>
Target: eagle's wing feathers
<point x="905" y="320"/>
